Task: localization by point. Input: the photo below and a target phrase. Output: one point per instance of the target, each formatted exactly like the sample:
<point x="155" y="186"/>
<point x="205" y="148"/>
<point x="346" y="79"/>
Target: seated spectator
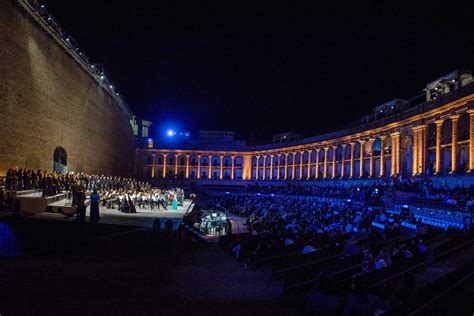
<point x="308" y="249"/>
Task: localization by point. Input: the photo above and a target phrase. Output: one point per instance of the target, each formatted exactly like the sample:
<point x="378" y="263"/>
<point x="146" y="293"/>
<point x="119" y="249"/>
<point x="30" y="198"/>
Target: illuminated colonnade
<point x="440" y="139"/>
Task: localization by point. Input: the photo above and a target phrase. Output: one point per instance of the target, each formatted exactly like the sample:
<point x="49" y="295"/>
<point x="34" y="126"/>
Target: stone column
<point x="418" y="150"/>
<point x="264" y="175"/>
<point x="176" y="156"/>
<point x="343" y="161"/>
<point x="382" y="155"/>
<point x="351" y="171"/>
<point x="187" y="166"/>
<point x="325" y="170"/>
<point x="308" y="176"/>
<point x="334" y="166"/>
<point x="422" y="149"/>
<point x="471" y="140"/>
<point x="439" y="135"/>
<point x="278" y="166"/>
<point x="395" y="158"/>
<point x="209" y="168"/>
<point x="454" y="144"/>
<point x="270" y="176"/>
<point x="371" y="157"/>
<point x="221" y="167"/>
<point x="232" y="167"/>
<point x="415" y="150"/>
<point x="199" y="167"/>
<point x="257" y="158"/>
<point x="316" y="176"/>
<point x="246" y="167"/>
<point x="153" y="165"/>
<point x="301" y="165"/>
<point x="286" y="166"/>
<point x="293" y="166"/>
<point x="164" y="165"/>
<point x="361" y="162"/>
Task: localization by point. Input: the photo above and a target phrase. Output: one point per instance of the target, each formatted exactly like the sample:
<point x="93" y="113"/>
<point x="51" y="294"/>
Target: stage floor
<point x="143" y="218"/>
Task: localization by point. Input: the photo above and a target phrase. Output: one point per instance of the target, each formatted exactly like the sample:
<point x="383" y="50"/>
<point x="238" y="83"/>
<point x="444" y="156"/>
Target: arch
<point x="321" y="155"/>
<point x="463" y="142"/>
<point x="193" y="159"/>
<point x="226" y="161"/>
<point x="330" y="154"/>
<point x="463" y="127"/>
<point x="406" y="156"/>
<point x="377" y="146"/>
<point x="339" y="153"/>
<point x="431" y="148"/>
<point x="431" y="138"/>
<point x="275" y="160"/>
<point x="446" y="137"/>
<point x="357" y="150"/>
<point x="348" y="151"/>
<point x="60" y="160"/>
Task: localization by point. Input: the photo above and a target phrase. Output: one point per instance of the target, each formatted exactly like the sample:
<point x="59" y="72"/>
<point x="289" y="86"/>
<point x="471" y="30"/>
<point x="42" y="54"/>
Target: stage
<point x="143" y="218"/>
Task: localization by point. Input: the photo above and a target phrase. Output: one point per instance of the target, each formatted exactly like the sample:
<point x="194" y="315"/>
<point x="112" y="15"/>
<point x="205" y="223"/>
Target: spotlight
<point x="111" y="86"/>
<point x="102" y="77"/>
<point x="170" y="132"/>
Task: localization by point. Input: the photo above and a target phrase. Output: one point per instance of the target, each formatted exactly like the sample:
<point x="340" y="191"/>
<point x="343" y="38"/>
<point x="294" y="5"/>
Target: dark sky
<point x="261" y="69"/>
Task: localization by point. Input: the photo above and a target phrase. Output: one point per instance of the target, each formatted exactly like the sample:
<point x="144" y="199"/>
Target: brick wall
<point x="48" y="100"/>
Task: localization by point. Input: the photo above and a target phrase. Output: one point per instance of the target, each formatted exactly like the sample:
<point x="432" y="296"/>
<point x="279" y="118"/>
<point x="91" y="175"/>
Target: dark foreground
<point x="72" y="268"/>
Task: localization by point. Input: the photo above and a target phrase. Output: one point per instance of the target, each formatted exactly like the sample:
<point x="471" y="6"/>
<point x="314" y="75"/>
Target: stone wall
<point x="48" y="100"/>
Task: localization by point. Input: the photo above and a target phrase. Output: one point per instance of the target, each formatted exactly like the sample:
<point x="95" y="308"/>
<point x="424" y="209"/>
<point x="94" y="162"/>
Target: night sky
<point x="261" y="69"/>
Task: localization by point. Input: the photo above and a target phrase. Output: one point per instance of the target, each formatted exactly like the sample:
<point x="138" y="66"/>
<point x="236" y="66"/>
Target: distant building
<point x="141" y="128"/>
<point x="283" y="138"/>
<point x="448" y="83"/>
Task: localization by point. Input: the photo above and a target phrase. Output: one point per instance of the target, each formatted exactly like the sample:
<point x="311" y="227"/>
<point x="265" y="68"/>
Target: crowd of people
<point x="127" y="194"/>
<point x="150" y="198"/>
<point x="410" y="190"/>
<point x="360" y="192"/>
<point x="51" y="183"/>
<point x="310" y="222"/>
<point x="336" y="226"/>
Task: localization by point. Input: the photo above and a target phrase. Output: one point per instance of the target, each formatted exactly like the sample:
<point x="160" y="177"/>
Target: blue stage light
<point x="170" y="133"/>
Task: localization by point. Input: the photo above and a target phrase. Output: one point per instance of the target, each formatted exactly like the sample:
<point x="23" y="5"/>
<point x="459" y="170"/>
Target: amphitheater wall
<point x="48" y="100"/>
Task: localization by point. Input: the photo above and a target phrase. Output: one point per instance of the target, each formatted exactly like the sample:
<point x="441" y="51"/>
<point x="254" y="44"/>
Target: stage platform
<point x="143" y="217"/>
<point x="34" y="203"/>
<point x="65" y="206"/>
